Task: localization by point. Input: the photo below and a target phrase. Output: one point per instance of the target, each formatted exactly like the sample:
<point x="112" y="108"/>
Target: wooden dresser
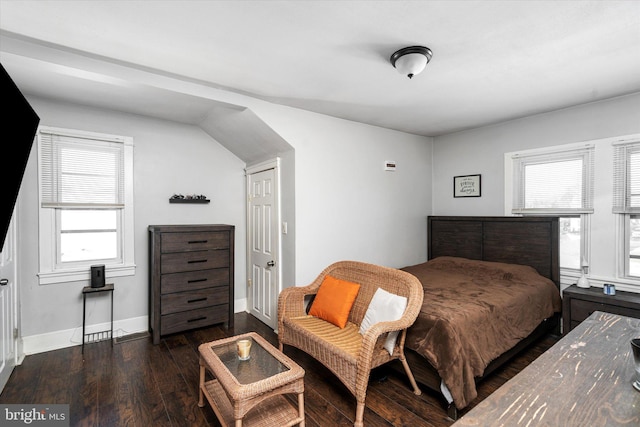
<point x="191" y="277"/>
<point x="579" y="303"/>
<point x="585" y="379"/>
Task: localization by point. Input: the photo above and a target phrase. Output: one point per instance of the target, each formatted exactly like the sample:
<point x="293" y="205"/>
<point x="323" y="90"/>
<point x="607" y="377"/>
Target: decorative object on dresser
<point x="583" y="282"/>
<point x="578" y="304"/>
<point x="191" y="277"/>
<point x="635" y="348"/>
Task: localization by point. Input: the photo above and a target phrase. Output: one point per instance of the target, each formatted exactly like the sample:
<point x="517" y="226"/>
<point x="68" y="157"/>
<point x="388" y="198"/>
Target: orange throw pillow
<point x="334" y="300"/>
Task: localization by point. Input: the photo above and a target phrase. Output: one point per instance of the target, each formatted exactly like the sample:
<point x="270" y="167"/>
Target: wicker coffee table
<point x="250" y="392"/>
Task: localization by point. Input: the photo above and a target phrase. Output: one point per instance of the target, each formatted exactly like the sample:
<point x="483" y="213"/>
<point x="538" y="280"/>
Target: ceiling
<point x="492" y="60"/>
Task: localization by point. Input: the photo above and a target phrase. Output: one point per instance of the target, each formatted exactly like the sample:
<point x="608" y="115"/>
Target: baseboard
<point x="240" y="305"/>
<point x="68" y="338"/>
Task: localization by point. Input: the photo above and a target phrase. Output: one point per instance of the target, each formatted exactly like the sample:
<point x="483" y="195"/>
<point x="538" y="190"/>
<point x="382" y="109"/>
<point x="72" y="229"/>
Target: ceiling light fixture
<point x="411" y="60"/>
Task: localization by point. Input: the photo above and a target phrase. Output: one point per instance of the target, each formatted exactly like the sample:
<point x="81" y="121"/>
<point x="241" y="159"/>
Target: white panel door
<point x="7" y="306"/>
<point x="263" y="246"/>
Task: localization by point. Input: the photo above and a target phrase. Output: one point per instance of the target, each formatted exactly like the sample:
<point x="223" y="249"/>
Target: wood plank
<point x="142" y="396"/>
<point x="137" y="383"/>
<point x="178" y="393"/>
<point x="83" y="404"/>
<point x="379" y="401"/>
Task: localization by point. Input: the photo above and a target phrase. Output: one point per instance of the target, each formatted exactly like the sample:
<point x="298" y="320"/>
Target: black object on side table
<point x="109" y="333"/>
<point x="580" y="303"/>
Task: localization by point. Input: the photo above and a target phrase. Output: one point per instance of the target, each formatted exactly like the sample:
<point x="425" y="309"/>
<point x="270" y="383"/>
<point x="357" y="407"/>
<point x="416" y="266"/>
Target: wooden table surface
<point x="585" y="379"/>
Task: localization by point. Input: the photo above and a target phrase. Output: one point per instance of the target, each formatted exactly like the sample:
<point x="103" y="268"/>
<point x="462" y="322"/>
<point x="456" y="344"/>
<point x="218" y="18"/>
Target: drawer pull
<point x="197" y="241"/>
<point x="196" y="319"/>
<point x="196" y="300"/>
<point x="196" y="261"/>
<point x="197" y="280"/>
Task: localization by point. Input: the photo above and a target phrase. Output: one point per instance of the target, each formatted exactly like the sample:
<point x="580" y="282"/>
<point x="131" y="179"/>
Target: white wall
<point x="169" y="158"/>
<point x="346" y="206"/>
<point x="482" y="151"/>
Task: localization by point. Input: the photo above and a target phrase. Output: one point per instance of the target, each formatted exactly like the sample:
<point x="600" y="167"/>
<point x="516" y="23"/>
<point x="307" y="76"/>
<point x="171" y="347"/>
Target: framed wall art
<point x="466" y="186"/>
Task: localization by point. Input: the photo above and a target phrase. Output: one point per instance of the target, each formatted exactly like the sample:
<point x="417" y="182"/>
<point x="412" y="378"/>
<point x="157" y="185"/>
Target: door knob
<point x="4" y="282"/>
<point x="271" y="263"/>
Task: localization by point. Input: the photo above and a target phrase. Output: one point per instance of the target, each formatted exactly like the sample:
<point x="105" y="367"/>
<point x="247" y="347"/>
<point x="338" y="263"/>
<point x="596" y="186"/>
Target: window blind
<point x="626" y="178"/>
<point x="79" y="172"/>
<point x="554" y="183"/>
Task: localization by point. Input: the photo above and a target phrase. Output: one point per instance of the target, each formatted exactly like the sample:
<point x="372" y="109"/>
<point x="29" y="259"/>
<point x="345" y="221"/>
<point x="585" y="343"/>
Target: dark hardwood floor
<point x="136" y="383"/>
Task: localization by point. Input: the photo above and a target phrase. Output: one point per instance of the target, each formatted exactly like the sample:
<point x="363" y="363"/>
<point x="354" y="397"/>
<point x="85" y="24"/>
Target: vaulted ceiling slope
<point x="492" y="60"/>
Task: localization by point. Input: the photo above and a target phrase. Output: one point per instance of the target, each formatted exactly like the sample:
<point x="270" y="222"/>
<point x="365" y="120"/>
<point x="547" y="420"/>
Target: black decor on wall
<point x="189" y="198"/>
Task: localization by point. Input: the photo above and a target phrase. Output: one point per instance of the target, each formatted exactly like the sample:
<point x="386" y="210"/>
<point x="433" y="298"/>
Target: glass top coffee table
<point x="250" y="392"/>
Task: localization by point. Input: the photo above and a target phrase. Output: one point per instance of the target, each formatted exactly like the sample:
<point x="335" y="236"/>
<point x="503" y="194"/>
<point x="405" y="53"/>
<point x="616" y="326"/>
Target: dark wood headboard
<point x="532" y="241"/>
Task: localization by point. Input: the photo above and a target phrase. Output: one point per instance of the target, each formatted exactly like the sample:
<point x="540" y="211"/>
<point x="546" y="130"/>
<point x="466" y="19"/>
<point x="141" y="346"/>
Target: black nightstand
<point x="102" y="335"/>
<point x="579" y="303"/>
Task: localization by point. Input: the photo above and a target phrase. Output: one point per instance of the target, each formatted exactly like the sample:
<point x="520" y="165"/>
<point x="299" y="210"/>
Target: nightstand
<point x="579" y="303"/>
<point x="102" y="335"/>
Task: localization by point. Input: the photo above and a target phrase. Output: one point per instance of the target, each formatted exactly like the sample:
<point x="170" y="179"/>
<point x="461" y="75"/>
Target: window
<point x="86" y="211"/>
<point x="557" y="182"/>
<point x="633" y="258"/>
<point x="626" y="201"/>
<point x="88" y="235"/>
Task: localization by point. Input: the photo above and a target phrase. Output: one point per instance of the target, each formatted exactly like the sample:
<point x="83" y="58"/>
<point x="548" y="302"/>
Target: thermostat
<point x="390" y="165"/>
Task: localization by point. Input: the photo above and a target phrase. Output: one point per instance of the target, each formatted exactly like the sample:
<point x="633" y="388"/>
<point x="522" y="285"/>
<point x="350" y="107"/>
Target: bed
<point x="491" y="288"/>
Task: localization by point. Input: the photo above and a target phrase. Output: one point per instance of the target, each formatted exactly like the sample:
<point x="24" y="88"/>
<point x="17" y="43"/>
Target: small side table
<point x="580" y="303"/>
<point x="89" y="290"/>
<point x="241" y="385"/>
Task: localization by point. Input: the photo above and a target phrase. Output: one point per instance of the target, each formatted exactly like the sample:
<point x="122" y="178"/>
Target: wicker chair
<point x="348" y="354"/>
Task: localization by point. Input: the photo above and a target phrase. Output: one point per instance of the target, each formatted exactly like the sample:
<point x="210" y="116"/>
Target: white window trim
<point x="623" y="229"/>
<point x="623" y="234"/>
<point x="509" y="169"/>
<point x="585" y="229"/>
<point x="584" y="153"/>
<point x="48" y="273"/>
<point x="616" y="274"/>
<point x="620" y="192"/>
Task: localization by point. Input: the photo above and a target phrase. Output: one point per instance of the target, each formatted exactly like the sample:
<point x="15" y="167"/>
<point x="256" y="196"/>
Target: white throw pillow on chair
<point x="384" y="307"/>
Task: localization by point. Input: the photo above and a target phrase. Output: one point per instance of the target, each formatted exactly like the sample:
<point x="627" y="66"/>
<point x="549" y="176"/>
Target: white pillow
<point x="384" y="307"/>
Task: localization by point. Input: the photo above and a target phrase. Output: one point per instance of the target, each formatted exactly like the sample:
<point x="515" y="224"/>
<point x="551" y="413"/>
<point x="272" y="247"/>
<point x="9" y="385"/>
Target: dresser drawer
<point x="581" y="309"/>
<point x="191" y="300"/>
<point x="193" y="261"/>
<point x="182" y="242"/>
<point x="178" y="282"/>
<point x="191" y="319"/>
